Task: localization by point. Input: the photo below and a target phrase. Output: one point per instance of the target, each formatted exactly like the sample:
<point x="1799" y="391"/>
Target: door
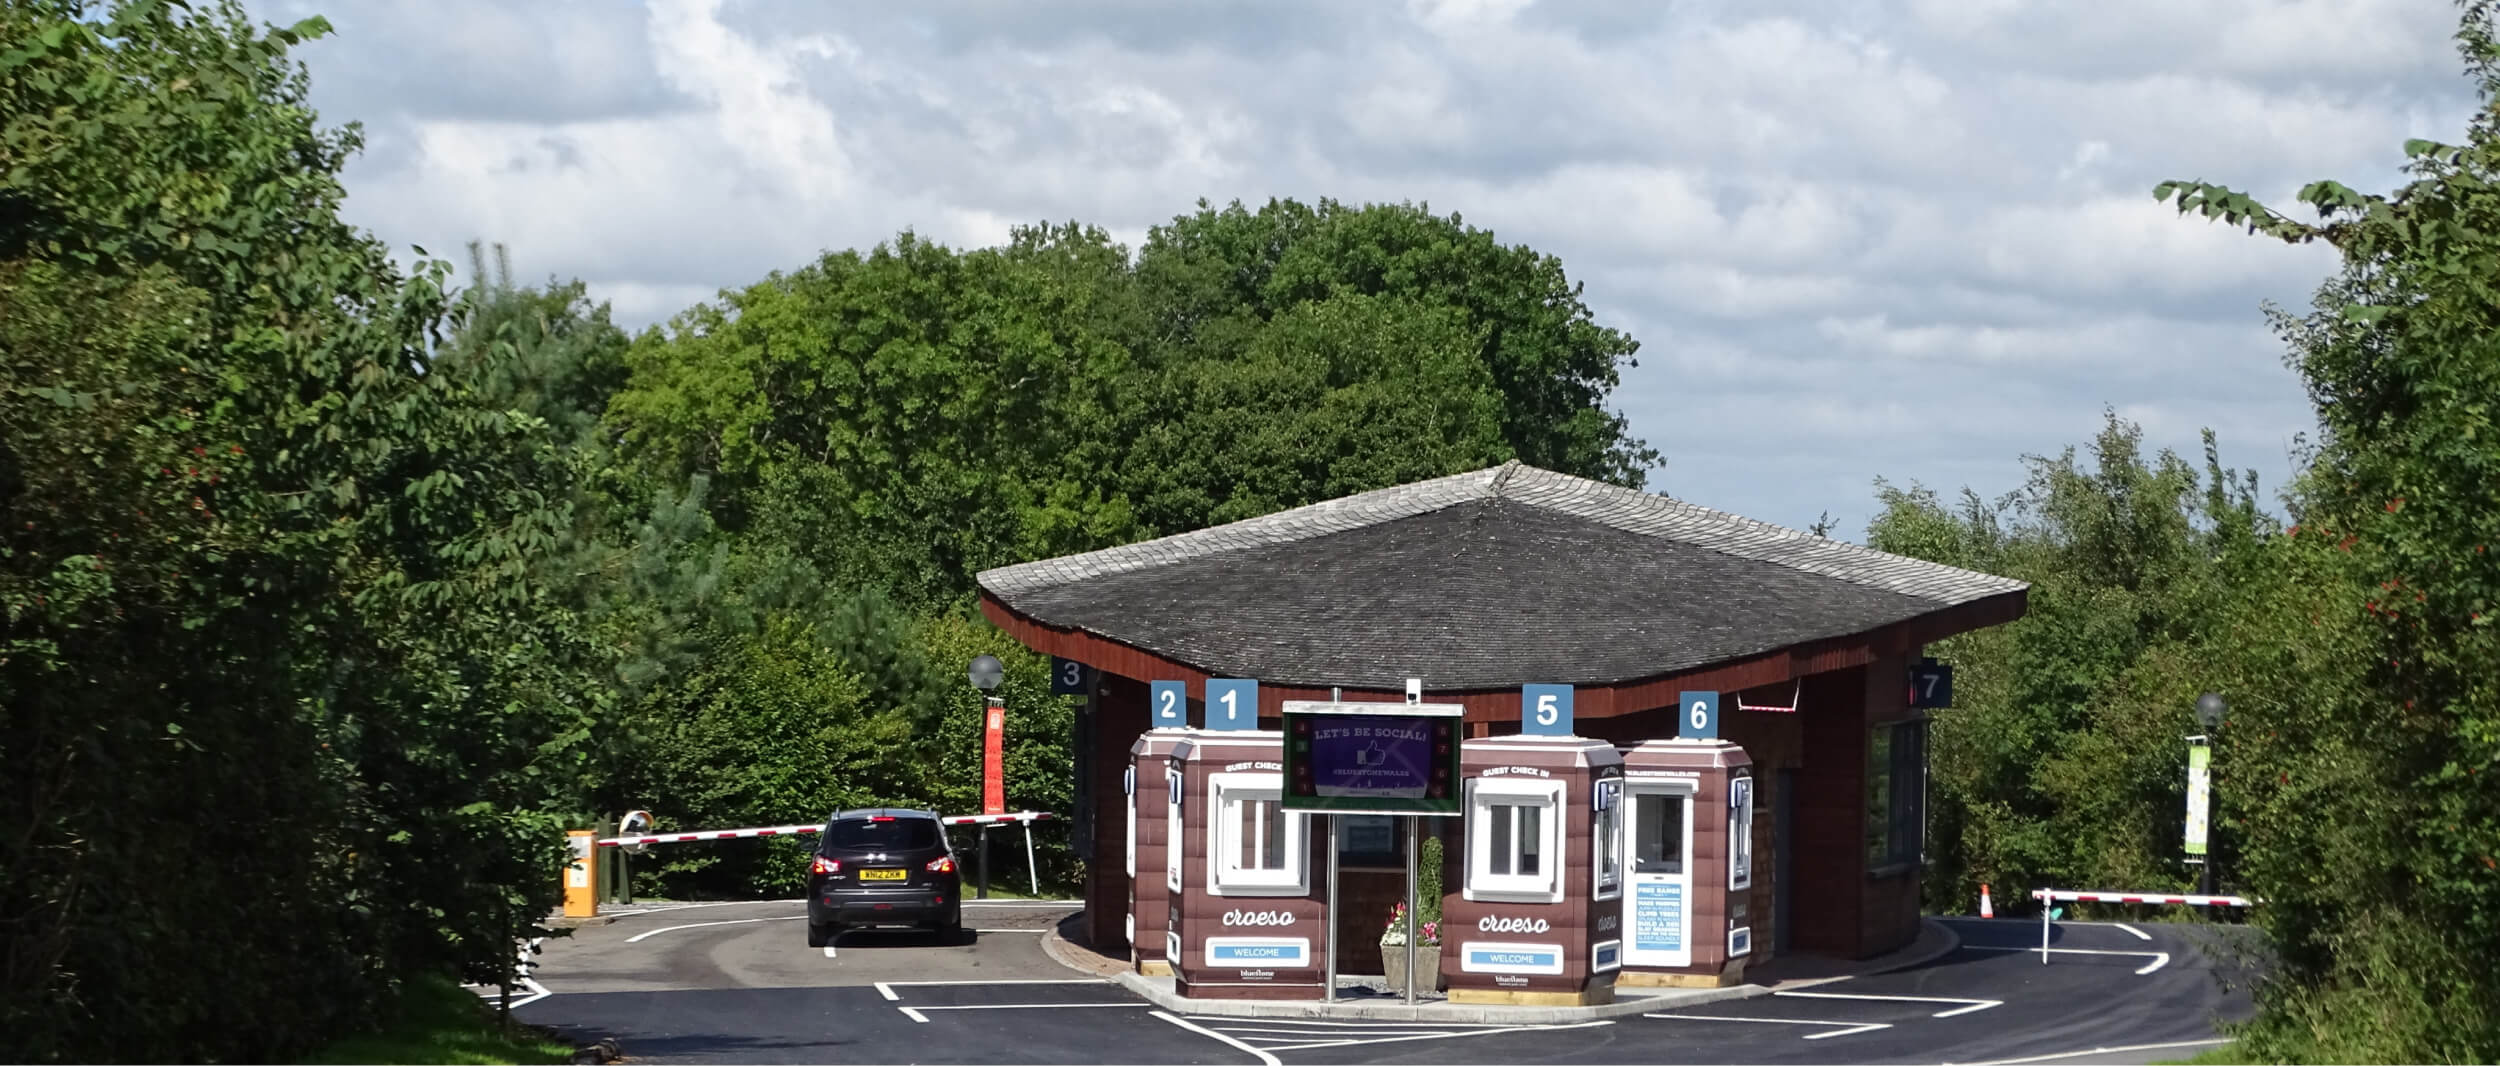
<point x="1783" y="857"/>
<point x="1658" y="858"/>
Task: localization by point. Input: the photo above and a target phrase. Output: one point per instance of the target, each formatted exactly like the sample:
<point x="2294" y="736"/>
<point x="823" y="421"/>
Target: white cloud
<point x="1912" y="239"/>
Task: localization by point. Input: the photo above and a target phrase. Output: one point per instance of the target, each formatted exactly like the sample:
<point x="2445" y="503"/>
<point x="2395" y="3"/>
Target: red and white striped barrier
<point x="1017" y="817"/>
<point x="2047" y="896"/>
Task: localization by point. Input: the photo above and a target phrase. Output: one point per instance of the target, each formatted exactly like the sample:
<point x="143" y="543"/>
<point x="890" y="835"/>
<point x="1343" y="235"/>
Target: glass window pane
<point x="1498" y="850"/>
<point x="1658" y="828"/>
<point x="1274" y="814"/>
<point x="1531" y="841"/>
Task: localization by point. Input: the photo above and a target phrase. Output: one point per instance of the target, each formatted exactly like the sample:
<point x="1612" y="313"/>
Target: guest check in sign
<point x="1372" y="758"/>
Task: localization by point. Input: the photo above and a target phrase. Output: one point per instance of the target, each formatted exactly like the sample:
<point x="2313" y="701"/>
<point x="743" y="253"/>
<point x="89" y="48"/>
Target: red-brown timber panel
<point x="1830" y="815"/>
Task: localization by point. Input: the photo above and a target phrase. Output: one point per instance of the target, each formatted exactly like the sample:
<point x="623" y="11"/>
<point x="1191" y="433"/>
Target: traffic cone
<point x="1986" y="909"/>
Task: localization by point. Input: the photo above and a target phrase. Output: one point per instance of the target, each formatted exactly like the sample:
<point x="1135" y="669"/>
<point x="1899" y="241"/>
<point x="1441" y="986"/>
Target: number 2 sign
<point x="1168" y="701"/>
<point x="1545" y="710"/>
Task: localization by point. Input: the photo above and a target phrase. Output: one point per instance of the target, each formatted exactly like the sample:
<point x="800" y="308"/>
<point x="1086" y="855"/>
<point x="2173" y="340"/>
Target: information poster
<point x="1372" y="758"/>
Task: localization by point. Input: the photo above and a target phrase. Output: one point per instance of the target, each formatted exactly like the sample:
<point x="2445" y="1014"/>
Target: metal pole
<point x="1413" y="823"/>
<point x="1328" y="991"/>
<point x="983" y="861"/>
<point x="1030" y="867"/>
<point x="2046" y="899"/>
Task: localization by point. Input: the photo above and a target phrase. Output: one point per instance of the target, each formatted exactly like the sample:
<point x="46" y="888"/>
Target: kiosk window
<point x="1514" y="840"/>
<point x="1658" y="833"/>
<point x="1255" y="846"/>
<point x="1896" y="787"/>
<point x="1607" y="826"/>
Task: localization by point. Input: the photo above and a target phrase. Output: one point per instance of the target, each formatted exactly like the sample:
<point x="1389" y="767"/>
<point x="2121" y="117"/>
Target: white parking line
<point x="1022" y="1006"/>
<point x="2104" y="1051"/>
<point x="1973" y="1004"/>
<point x="1847" y="1028"/>
<point x="2160" y="959"/>
<point x="2164" y="955"/>
<point x="915" y="1015"/>
<point x="1264" y="1057"/>
<point x="2139" y="934"/>
<point x="829" y="953"/>
<point x="622" y="914"/>
<point x="1355" y="1041"/>
<point x="639" y="937"/>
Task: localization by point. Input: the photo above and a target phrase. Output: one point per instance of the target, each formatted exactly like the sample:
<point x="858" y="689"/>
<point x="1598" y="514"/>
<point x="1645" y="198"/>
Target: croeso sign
<point x="1258" y="917"/>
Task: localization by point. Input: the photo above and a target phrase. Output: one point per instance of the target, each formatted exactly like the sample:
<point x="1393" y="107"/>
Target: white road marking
<point x="914" y="1015"/>
<point x="1032" y="981"/>
<point x="2164" y="955"/>
<point x="2160" y="958"/>
<point x="1024" y="1006"/>
<point x="2104" y="1051"/>
<point x="886" y="990"/>
<point x="718" y="903"/>
<point x="829" y="952"/>
<point x="639" y="937"/>
<point x="1354" y="1041"/>
<point x="1008" y="930"/>
<point x="1076" y="903"/>
<point x="1973" y="1004"/>
<point x="1264" y="1057"/>
<point x="2139" y="934"/>
<point x="1846" y="1028"/>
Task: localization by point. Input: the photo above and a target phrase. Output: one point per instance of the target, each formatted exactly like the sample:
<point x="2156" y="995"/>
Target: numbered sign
<point x="1931" y="684"/>
<point x="1232" y="703"/>
<point x="1545" y="710"/>
<point x="1069" y="677"/>
<point x="1168" y="703"/>
<point x="1697" y="716"/>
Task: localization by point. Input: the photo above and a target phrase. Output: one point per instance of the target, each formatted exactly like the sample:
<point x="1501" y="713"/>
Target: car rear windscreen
<point x="890" y="834"/>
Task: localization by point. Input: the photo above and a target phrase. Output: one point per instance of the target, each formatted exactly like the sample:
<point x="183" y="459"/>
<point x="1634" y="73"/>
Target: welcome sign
<point x="1372" y="758"/>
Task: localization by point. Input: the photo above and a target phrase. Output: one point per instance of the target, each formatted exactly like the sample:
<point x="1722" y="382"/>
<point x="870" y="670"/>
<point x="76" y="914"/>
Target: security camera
<point x="1414" y="690"/>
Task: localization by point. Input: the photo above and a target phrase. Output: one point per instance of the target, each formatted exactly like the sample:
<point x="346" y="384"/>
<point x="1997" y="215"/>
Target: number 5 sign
<point x="1545" y="710"/>
<point x="1697" y="716"/>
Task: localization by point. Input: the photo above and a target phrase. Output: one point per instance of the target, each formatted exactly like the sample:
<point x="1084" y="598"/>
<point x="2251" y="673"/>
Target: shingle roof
<point x="1492" y="578"/>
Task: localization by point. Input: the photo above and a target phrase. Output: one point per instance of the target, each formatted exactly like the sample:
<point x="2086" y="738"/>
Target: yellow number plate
<point x="884" y="875"/>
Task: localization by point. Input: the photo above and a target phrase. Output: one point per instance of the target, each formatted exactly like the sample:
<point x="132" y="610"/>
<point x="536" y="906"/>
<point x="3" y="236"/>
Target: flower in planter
<point x="1428" y="932"/>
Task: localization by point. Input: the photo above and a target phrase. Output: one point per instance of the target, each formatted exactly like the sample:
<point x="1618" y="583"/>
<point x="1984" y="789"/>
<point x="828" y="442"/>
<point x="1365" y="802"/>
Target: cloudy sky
<point x="1911" y="239"/>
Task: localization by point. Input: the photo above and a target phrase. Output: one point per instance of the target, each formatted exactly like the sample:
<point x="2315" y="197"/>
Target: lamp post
<point x="2209" y="710"/>
<point x="987" y="673"/>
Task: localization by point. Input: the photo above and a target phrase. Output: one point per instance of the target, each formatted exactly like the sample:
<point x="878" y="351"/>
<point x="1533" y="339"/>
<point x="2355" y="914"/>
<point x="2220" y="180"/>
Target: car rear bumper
<point x="886" y="907"/>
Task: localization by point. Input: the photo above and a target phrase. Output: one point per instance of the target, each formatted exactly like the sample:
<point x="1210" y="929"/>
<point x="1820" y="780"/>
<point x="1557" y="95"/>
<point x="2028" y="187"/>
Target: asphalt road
<point x="737" y="983"/>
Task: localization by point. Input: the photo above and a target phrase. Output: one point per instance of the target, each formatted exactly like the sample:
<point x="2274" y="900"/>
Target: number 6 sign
<point x="1545" y="710"/>
<point x="1697" y="716"/>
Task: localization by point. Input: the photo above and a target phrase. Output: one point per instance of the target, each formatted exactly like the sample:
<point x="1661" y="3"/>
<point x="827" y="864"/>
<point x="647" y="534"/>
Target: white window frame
<point x="1605" y="838"/>
<point x="1173" y="827"/>
<point x="1226" y="792"/>
<point x="1483" y="794"/>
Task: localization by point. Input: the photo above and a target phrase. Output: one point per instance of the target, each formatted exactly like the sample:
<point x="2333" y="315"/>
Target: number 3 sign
<point x="1697" y="717"/>
<point x="1545" y="710"/>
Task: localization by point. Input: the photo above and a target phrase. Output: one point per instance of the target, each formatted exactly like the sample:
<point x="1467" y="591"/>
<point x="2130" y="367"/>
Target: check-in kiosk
<point x="1149" y="899"/>
<point x="1687" y="825"/>
<point x="1534" y="918"/>
<point x="1247" y="919"/>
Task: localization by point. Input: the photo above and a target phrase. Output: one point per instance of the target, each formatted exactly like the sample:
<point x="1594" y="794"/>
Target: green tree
<point x="2386" y="941"/>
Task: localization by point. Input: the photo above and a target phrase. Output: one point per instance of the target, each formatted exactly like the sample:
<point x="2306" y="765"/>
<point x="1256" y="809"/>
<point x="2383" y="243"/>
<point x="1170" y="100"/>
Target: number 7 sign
<point x="1931" y="684"/>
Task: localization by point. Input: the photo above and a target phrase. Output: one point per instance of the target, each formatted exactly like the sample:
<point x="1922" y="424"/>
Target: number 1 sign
<point x="1232" y="703"/>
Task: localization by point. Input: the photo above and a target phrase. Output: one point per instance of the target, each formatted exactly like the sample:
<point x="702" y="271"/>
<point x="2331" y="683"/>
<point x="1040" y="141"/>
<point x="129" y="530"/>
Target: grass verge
<point x="2217" y="1055"/>
<point x="437" y="1021"/>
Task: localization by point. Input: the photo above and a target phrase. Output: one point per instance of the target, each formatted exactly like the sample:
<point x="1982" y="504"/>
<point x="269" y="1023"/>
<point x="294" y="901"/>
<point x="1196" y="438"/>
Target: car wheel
<point x="951" y="927"/>
<point x="821" y="935"/>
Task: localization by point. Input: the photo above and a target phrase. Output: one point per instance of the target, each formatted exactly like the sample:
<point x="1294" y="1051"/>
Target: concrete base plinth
<point x="1733" y="975"/>
<point x="1587" y="997"/>
<point x="1155" y="967"/>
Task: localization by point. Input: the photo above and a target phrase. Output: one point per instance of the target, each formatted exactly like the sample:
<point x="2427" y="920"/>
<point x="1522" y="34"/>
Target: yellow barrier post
<point x="581" y="875"/>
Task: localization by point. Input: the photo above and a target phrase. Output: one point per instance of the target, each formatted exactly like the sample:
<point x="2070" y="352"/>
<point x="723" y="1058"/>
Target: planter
<point x="1427" y="967"/>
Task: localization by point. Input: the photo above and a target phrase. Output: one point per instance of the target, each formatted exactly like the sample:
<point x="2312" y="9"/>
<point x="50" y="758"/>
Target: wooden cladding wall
<point x="1120" y="715"/>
